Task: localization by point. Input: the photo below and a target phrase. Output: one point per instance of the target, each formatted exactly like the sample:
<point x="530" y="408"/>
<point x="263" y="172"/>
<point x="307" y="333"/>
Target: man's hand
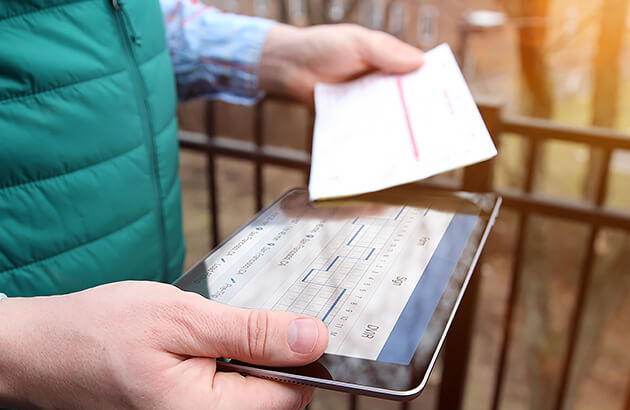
<point x="294" y="59"/>
<point x="147" y="345"/>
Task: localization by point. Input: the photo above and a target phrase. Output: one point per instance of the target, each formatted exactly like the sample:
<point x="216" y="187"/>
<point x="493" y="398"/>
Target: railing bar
<point x="627" y="407"/>
<point x="258" y="140"/>
<point x="538" y="204"/>
<point x="554" y="207"/>
<point x="458" y="347"/>
<point x="543" y="130"/>
<point x="212" y="199"/>
<point x="210" y="127"/>
<point x="576" y="212"/>
<point x="584" y="282"/>
<point x="602" y="183"/>
<point x="353" y="402"/>
<point x="285" y="157"/>
<point x="508" y="326"/>
<point x="404" y="405"/>
<point x="560" y="208"/>
<point x="532" y="160"/>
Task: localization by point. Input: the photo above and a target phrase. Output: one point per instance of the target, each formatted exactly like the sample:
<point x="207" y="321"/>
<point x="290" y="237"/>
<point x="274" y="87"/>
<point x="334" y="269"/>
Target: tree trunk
<point x="532" y="33"/>
<point x="606" y="80"/>
<point x="536" y="99"/>
<point x="611" y="284"/>
<point x="536" y="91"/>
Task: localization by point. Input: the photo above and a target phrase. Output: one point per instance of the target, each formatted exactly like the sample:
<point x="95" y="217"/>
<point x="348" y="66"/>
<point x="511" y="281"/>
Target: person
<point x="90" y="219"/>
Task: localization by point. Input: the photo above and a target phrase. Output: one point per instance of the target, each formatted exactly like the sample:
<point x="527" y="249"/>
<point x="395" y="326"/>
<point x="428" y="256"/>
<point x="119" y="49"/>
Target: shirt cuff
<point x="215" y="55"/>
<point x="233" y="75"/>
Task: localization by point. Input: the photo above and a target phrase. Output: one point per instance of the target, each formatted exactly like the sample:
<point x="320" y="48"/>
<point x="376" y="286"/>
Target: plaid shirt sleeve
<point x="215" y="55"/>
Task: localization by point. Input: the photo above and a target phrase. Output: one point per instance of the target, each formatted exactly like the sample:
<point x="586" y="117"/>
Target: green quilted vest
<point x="89" y="191"/>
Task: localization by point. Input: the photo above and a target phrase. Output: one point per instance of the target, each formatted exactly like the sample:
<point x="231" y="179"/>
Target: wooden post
<point x="477" y="178"/>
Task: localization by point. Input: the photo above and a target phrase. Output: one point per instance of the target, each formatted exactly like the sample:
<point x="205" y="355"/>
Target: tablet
<point x="384" y="272"/>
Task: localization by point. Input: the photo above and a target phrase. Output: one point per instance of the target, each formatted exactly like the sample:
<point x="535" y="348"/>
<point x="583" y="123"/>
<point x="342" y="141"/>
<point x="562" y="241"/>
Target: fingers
<point x="274" y="338"/>
<point x="200" y="386"/>
<point x="387" y="53"/>
<point x="235" y="391"/>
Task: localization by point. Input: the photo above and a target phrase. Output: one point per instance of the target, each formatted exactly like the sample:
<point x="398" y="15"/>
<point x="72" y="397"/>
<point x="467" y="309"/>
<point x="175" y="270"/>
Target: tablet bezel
<point x="378" y="378"/>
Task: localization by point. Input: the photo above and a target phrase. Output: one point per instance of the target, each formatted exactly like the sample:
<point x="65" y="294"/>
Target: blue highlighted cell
<point x="259" y="228"/>
<point x="308" y="274"/>
<point x="355" y="235"/>
<point x="370" y="254"/>
<point x="332" y="263"/>
<point x="309" y="236"/>
<point x="400" y="212"/>
<point x="334" y="304"/>
<point x="324" y="270"/>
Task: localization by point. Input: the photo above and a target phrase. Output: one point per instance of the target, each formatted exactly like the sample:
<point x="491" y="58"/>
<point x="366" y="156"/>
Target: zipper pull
<point x="119" y="5"/>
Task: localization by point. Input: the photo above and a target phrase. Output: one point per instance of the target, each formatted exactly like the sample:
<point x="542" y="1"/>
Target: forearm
<point x="14" y="313"/>
<point x="50" y="357"/>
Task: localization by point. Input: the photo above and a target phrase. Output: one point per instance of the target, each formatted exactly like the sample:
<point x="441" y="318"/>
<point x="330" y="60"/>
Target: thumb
<point x="265" y="337"/>
<point x="387" y="53"/>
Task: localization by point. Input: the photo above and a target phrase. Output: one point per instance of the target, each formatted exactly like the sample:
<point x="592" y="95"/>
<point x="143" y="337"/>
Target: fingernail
<point x="302" y="335"/>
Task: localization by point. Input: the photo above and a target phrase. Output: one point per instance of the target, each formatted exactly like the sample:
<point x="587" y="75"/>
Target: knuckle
<point x="177" y="309"/>
<point x="382" y="38"/>
<point x="257" y="322"/>
<point x="303" y="397"/>
<point x="293" y="397"/>
<point x="179" y="314"/>
<point x="350" y="26"/>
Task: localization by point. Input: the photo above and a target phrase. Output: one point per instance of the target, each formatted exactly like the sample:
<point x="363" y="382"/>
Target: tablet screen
<point x="373" y="273"/>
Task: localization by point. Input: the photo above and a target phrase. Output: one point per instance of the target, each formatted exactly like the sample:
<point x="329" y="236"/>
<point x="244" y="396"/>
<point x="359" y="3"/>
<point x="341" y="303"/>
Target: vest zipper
<point x="129" y="35"/>
<point x="135" y="36"/>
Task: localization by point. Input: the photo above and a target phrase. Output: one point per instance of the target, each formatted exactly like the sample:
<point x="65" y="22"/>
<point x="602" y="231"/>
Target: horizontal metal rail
<point x="229" y="147"/>
<point x="580" y="211"/>
<point x="546" y="130"/>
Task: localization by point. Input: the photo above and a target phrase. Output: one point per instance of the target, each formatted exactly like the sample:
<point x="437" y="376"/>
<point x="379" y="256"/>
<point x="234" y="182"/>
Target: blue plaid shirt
<point x="215" y="55"/>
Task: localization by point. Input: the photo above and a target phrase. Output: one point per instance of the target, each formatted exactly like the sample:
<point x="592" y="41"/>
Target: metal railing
<point x="479" y="177"/>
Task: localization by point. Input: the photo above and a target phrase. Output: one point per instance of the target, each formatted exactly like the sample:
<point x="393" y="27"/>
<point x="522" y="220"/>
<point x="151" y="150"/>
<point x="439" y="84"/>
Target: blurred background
<point x="546" y="323"/>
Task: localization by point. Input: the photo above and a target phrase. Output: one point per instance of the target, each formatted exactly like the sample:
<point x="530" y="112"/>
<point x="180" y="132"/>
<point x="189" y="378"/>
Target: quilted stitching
<point x="78" y="227"/>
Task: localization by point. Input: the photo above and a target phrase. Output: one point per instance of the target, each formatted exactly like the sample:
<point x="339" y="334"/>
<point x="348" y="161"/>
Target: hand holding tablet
<point x="384" y="278"/>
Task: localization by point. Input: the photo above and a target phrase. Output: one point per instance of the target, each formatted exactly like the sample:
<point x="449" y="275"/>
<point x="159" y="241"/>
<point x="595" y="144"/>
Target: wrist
<point x="278" y="66"/>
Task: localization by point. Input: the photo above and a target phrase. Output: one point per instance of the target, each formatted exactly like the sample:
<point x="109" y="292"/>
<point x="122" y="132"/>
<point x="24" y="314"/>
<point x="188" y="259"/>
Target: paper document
<point x="383" y="130"/>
